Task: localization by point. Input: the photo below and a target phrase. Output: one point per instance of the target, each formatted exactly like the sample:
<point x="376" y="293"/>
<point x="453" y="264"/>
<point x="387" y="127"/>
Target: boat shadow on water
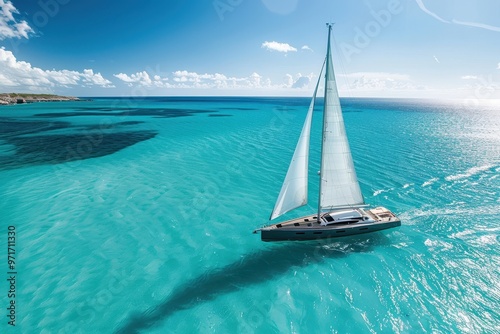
<point x="254" y="268"/>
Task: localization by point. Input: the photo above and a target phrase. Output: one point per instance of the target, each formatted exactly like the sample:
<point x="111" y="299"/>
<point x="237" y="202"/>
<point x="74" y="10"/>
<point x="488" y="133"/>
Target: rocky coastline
<point x="15" y="98"/>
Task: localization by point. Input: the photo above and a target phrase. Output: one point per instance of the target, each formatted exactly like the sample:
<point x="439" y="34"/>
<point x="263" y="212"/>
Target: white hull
<point x="309" y="228"/>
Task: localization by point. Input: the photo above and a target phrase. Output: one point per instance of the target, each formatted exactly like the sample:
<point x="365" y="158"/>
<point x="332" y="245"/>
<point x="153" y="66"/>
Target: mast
<point x="327" y="70"/>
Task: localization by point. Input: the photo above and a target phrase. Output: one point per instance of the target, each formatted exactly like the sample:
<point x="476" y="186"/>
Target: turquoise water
<point x="136" y="215"/>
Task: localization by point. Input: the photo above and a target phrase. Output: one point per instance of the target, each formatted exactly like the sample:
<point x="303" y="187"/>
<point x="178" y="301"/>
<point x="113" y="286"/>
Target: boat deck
<point x="308" y="227"/>
<point x="379" y="214"/>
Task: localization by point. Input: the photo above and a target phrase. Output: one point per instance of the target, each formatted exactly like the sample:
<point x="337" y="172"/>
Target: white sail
<point x="339" y="185"/>
<point x="294" y="189"/>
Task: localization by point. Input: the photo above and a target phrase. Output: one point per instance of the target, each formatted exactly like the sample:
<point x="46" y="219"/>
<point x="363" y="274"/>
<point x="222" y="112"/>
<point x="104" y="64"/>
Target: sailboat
<point x="341" y="207"/>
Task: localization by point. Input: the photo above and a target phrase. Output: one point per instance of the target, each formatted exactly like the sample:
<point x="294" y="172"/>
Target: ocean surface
<point x="135" y="215"/>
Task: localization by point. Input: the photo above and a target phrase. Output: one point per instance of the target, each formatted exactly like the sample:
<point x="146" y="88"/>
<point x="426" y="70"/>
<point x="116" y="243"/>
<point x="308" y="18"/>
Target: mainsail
<point x="338" y="185"/>
<point x="294" y="189"/>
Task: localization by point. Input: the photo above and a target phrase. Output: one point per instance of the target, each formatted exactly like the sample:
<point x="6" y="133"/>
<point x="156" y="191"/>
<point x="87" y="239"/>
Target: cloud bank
<point x="184" y="79"/>
<point x="17" y="75"/>
<point x="21" y="74"/>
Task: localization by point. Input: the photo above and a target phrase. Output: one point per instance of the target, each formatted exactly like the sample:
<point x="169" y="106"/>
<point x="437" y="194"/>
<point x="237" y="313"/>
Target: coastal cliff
<point x="15" y="98"/>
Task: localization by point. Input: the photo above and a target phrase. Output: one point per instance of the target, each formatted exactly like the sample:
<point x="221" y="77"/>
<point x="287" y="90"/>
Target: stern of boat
<point x="382" y="214"/>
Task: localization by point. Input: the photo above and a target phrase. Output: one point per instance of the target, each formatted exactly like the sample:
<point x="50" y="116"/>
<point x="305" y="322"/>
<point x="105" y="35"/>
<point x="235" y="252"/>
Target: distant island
<point x="18" y="98"/>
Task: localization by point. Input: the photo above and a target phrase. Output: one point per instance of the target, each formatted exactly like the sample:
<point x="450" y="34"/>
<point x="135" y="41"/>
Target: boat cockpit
<point x="344" y="217"/>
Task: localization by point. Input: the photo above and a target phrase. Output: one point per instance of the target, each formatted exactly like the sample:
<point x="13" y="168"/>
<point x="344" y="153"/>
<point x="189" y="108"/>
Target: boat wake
<point x="378" y="192"/>
<point x="429" y="182"/>
<point x="410" y="217"/>
<point x="469" y="172"/>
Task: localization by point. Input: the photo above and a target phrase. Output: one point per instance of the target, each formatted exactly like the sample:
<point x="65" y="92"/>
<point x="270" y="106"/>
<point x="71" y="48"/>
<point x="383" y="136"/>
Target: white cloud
<point x="9" y="26"/>
<point x="159" y="81"/>
<point x="307" y="48"/>
<point x="92" y="78"/>
<point x="255" y="80"/>
<point x="185" y="79"/>
<point x="437" y="60"/>
<point x="14" y="73"/>
<point x="469" y="77"/>
<point x="298" y="82"/>
<point x="498" y="66"/>
<point x="301" y="82"/>
<point x="276" y="46"/>
<point x="141" y="78"/>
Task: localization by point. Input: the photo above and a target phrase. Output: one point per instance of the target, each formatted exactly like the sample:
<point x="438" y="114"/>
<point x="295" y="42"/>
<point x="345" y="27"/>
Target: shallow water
<point x="135" y="215"/>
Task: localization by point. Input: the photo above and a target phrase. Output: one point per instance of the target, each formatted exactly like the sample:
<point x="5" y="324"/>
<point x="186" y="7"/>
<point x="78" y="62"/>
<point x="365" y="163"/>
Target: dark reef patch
<point x="14" y="127"/>
<point x="125" y="112"/>
<point x="56" y="149"/>
<point x="28" y="143"/>
<point x="108" y="126"/>
<point x="238" y="108"/>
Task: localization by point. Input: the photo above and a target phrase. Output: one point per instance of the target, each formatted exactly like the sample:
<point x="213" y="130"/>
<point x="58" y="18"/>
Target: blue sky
<point x="382" y="48"/>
